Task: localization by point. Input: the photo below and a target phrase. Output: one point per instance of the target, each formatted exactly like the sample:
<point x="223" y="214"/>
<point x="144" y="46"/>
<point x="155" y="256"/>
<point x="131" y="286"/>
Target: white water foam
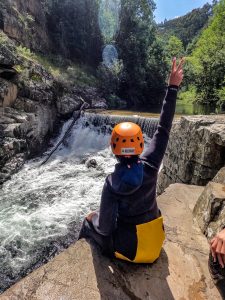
<point x="42" y="207"/>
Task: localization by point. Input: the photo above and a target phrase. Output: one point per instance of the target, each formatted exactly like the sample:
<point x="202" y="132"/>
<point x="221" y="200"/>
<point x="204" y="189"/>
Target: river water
<point x="42" y="207"/>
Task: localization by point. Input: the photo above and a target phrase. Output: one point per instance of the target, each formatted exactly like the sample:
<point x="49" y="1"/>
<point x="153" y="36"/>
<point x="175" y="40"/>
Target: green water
<point x="195" y="109"/>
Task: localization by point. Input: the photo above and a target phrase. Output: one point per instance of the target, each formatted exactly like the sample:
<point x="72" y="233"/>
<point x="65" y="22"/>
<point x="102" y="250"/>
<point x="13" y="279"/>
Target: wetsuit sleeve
<point x="157" y="147"/>
<point x="104" y="221"/>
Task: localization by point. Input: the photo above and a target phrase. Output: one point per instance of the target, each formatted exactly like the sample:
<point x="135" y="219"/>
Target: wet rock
<point x="23" y="135"/>
<point x="68" y="103"/>
<point x="196" y="151"/>
<point x="8" y="93"/>
<point x="91" y="163"/>
<point x="81" y="272"/>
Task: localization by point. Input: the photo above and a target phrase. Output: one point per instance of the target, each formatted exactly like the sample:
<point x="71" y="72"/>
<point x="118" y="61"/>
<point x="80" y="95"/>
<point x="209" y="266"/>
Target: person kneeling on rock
<point x="129" y="225"/>
<point x="217" y="261"/>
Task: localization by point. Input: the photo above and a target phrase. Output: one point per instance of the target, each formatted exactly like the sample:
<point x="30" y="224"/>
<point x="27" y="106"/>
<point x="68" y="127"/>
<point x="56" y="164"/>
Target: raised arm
<point x="157" y="147"/>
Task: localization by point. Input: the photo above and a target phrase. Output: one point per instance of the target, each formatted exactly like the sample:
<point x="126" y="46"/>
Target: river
<point x="42" y="207"/>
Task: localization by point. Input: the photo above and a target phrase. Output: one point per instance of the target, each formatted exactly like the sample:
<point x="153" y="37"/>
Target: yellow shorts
<point x="150" y="237"/>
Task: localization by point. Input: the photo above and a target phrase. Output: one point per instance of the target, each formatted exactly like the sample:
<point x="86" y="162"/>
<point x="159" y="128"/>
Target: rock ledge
<point x="180" y="273"/>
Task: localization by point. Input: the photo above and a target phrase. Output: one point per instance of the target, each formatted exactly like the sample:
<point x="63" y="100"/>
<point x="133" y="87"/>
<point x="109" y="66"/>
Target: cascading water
<point x="42" y="208"/>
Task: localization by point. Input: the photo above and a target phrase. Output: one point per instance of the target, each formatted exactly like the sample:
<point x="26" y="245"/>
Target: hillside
<point x="187" y="27"/>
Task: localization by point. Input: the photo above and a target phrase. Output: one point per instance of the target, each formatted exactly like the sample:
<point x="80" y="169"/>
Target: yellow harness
<point x="150" y="237"/>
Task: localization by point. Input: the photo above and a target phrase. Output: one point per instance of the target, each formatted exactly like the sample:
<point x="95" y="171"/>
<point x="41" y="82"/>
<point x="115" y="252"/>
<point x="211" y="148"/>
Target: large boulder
<point x="196" y="151"/>
<point x="210" y="207"/>
<point x="67" y="104"/>
<point x="81" y="272"/>
<point x="23" y="134"/>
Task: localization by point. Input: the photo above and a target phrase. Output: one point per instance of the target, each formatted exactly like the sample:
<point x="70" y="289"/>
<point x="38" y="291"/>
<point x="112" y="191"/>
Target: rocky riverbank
<point x="32" y="103"/>
<point x="196" y="151"/>
<point x="81" y="272"/>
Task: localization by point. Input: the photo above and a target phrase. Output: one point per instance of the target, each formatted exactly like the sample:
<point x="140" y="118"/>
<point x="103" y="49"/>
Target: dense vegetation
<point x="139" y="51"/>
<point x="187" y="27"/>
<point x="74" y="29"/>
<point x="200" y="36"/>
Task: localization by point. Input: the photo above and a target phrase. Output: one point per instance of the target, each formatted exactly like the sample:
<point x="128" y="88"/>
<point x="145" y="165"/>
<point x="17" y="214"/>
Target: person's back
<point x="129" y="224"/>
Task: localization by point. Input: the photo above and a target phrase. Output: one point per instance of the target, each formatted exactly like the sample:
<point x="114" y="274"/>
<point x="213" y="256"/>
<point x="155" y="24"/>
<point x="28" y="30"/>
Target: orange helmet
<point x="127" y="139"/>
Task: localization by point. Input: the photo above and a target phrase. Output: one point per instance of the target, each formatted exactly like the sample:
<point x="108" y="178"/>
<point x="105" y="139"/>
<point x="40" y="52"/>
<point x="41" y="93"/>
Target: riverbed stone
<point x="81" y="272"/>
<point x="195" y="152"/>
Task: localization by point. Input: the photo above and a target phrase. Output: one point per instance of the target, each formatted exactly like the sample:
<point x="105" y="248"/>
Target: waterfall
<point x="42" y="208"/>
<point x="103" y="121"/>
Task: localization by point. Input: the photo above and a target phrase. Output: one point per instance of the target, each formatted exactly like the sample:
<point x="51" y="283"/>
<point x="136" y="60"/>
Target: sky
<point x="170" y="9"/>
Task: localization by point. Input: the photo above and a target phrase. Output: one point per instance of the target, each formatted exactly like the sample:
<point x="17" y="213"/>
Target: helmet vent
<point x="132" y="140"/>
<point x="114" y="146"/>
<point x="141" y="145"/>
<point x="138" y="138"/>
<point x="117" y="139"/>
<point x="124" y="141"/>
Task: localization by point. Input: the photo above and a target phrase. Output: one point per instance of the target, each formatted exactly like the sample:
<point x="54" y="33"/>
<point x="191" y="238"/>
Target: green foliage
<point x="25" y="19"/>
<point x="186" y="27"/>
<point x="109" y="19"/>
<point x="174" y="48"/>
<point x="3" y="38"/>
<point x="25" y="52"/>
<point x="144" y="66"/>
<point x="74" y="29"/>
<point x="110" y="77"/>
<point x="188" y="96"/>
<point x="221" y="97"/>
<point x="209" y="58"/>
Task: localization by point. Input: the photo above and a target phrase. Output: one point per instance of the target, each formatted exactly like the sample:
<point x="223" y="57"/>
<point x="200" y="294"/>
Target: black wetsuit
<point x="129" y="194"/>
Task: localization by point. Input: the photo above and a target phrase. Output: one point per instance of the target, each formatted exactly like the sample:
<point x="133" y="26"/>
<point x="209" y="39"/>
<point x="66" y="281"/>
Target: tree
<point x="143" y="78"/>
<point x="174" y="48"/>
<point x="74" y="28"/>
<point x="209" y="58"/>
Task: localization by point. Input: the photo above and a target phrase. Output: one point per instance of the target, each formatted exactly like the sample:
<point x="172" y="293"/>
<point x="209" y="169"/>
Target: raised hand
<point x="176" y="75"/>
<point x="218" y="248"/>
<point x="89" y="217"/>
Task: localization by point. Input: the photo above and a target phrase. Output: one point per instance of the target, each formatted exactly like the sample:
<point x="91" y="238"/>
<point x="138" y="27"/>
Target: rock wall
<point x="31" y="103"/>
<point x="25" y="22"/>
<point x="27" y="109"/>
<point x="55" y="27"/>
<point x="196" y="151"/>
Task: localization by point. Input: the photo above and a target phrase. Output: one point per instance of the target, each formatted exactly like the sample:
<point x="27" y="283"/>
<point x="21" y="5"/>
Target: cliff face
<point x="31" y="101"/>
<point x="54" y="26"/>
<point x="196" y="151"/>
<point x="25" y="22"/>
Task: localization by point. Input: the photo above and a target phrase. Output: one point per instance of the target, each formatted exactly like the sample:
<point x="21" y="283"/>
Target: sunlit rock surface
<point x="196" y="151"/>
<point x="81" y="272"/>
<point x="210" y="207"/>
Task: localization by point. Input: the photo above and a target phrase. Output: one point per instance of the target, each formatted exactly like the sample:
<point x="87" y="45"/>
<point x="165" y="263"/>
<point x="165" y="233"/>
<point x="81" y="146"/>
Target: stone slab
<point x="180" y="273"/>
